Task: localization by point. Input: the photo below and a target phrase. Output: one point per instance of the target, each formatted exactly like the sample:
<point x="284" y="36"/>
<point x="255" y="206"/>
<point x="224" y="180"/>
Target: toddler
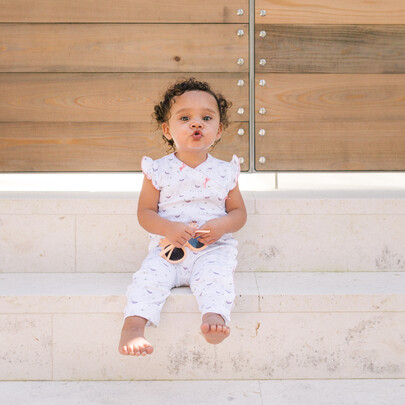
<point x="190" y="204"/>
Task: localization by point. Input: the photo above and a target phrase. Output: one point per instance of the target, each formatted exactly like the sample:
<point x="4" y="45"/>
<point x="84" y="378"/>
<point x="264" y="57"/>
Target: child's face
<point x="194" y="123"/>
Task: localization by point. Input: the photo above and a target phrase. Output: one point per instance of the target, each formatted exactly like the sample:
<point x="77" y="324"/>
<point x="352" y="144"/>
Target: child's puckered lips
<point x="197" y="134"/>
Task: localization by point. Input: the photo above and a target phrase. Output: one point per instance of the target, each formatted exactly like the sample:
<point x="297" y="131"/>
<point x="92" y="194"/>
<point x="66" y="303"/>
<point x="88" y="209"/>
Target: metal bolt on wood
<point x="240" y="12"/>
<point x="241" y="33"/>
<point x="262" y="13"/>
<point x="262" y="159"/>
<point x="241" y="110"/>
<point x="262" y="132"/>
<point x="262" y="111"/>
<point x="241" y="61"/>
<point x="241" y="131"/>
<point x="241" y="160"/>
<point x="262" y="62"/>
<point x="262" y="34"/>
<point x="241" y="83"/>
<point x="262" y="82"/>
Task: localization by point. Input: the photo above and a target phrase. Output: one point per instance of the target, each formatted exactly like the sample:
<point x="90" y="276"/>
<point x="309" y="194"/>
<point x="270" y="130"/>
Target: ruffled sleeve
<point x="234" y="172"/>
<point x="151" y="171"/>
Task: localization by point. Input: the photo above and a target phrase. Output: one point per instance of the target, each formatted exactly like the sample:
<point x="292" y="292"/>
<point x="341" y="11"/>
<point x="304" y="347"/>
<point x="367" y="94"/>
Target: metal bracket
<point x="252" y="86"/>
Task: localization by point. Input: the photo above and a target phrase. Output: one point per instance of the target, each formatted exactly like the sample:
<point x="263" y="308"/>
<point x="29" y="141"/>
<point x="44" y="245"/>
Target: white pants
<point x="209" y="273"/>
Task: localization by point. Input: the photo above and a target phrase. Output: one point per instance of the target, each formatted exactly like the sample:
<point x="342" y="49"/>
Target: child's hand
<point x="179" y="233"/>
<point x="215" y="226"/>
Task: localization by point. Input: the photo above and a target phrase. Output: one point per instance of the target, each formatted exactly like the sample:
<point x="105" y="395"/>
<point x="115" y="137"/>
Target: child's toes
<point x="149" y="349"/>
<point x="134" y="351"/>
<point x="205" y="328"/>
<point x="146" y="349"/>
<point x="216" y="328"/>
<point x="221" y="328"/>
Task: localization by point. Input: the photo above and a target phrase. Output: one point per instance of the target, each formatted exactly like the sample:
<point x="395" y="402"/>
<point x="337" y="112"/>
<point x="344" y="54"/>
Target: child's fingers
<point x="182" y="240"/>
<point x="190" y="231"/>
<point x="207" y="239"/>
<point x="188" y="236"/>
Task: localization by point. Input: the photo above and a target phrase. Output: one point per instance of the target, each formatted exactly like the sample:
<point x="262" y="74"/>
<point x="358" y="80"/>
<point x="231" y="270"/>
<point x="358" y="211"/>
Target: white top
<point x="191" y="194"/>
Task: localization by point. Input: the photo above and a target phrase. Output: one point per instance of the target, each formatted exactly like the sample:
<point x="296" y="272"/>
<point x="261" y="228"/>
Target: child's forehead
<point x="195" y="99"/>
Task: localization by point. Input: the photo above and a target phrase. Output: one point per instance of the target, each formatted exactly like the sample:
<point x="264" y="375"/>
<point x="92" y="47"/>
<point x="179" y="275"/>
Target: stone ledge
<point x="248" y="392"/>
<point x="79" y="203"/>
<point x="256" y="292"/>
<point x="330" y="202"/>
<point x="306" y="235"/>
<point x="277" y="202"/>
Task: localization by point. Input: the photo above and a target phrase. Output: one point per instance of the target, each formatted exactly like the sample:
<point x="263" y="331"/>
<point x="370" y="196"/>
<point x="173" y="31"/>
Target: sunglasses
<point x="176" y="255"/>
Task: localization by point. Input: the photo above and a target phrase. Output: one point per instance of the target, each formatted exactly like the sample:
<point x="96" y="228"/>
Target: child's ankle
<point x="135" y="322"/>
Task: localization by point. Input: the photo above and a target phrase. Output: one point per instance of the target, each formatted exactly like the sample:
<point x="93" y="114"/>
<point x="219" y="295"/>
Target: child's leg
<point x="212" y="284"/>
<point x="147" y="294"/>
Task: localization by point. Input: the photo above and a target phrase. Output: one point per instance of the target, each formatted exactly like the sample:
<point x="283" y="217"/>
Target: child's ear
<point x="220" y="129"/>
<point x="166" y="131"/>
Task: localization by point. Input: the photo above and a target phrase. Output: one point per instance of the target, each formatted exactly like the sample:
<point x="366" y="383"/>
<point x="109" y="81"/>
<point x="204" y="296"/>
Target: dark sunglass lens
<point x="195" y="243"/>
<point x="177" y="254"/>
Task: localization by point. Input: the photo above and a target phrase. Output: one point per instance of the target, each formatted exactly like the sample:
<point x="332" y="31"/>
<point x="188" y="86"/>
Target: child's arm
<point x="232" y="222"/>
<point x="178" y="233"/>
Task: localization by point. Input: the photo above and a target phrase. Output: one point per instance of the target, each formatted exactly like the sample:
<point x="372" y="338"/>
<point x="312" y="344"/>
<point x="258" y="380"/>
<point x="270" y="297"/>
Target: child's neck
<point x="192" y="159"/>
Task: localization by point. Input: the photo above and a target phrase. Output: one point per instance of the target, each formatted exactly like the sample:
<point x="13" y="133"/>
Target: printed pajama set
<point x="188" y="194"/>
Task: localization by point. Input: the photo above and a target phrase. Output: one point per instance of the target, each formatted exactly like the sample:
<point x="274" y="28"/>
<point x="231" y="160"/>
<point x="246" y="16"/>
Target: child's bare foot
<point x="133" y="342"/>
<point x="213" y="328"/>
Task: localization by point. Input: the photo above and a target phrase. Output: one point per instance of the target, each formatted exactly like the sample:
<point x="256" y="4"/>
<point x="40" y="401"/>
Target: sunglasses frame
<point x="167" y="248"/>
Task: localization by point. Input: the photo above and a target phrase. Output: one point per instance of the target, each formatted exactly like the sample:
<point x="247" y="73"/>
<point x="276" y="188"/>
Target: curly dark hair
<point x="162" y="110"/>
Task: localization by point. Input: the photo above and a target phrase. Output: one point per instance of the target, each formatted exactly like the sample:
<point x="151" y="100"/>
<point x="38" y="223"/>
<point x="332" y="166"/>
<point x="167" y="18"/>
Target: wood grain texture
<point x="123" y="48"/>
<point x="140" y="11"/>
<point x="304" y="98"/>
<point x="330" y="12"/>
<point x="330" y="48"/>
<point x="331" y="146"/>
<point x="103" y="97"/>
<point x="74" y="147"/>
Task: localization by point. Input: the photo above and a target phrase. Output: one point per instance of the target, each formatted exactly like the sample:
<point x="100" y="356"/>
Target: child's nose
<point x="196" y="123"/>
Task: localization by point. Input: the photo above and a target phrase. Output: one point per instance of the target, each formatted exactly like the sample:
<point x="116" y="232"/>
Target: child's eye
<point x="184" y="118"/>
<point x="207" y="118"/>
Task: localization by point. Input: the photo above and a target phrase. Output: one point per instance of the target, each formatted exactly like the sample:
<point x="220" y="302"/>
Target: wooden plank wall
<point x="78" y="79"/>
<point x="330" y="85"/>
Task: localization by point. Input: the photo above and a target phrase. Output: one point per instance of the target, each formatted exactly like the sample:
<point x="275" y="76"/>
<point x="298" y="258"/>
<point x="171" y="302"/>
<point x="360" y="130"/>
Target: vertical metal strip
<point x="252" y="86"/>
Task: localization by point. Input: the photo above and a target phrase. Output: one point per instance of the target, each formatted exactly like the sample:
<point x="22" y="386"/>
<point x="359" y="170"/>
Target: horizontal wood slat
<point x="123" y="48"/>
<point x="103" y="97"/>
<point x="331" y="12"/>
<point x="49" y="146"/>
<point x="169" y="11"/>
<point x="331" y="146"/>
<point x="330" y="48"/>
<point x="334" y="98"/>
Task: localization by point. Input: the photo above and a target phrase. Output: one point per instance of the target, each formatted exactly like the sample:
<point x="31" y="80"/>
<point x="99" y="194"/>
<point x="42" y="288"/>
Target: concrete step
<point x="66" y="326"/>
<point x="253" y="392"/>
<point x="286" y="231"/>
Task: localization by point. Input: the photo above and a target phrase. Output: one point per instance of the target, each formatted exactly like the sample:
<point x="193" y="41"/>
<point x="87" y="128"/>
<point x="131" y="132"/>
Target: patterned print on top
<point x="191" y="194"/>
